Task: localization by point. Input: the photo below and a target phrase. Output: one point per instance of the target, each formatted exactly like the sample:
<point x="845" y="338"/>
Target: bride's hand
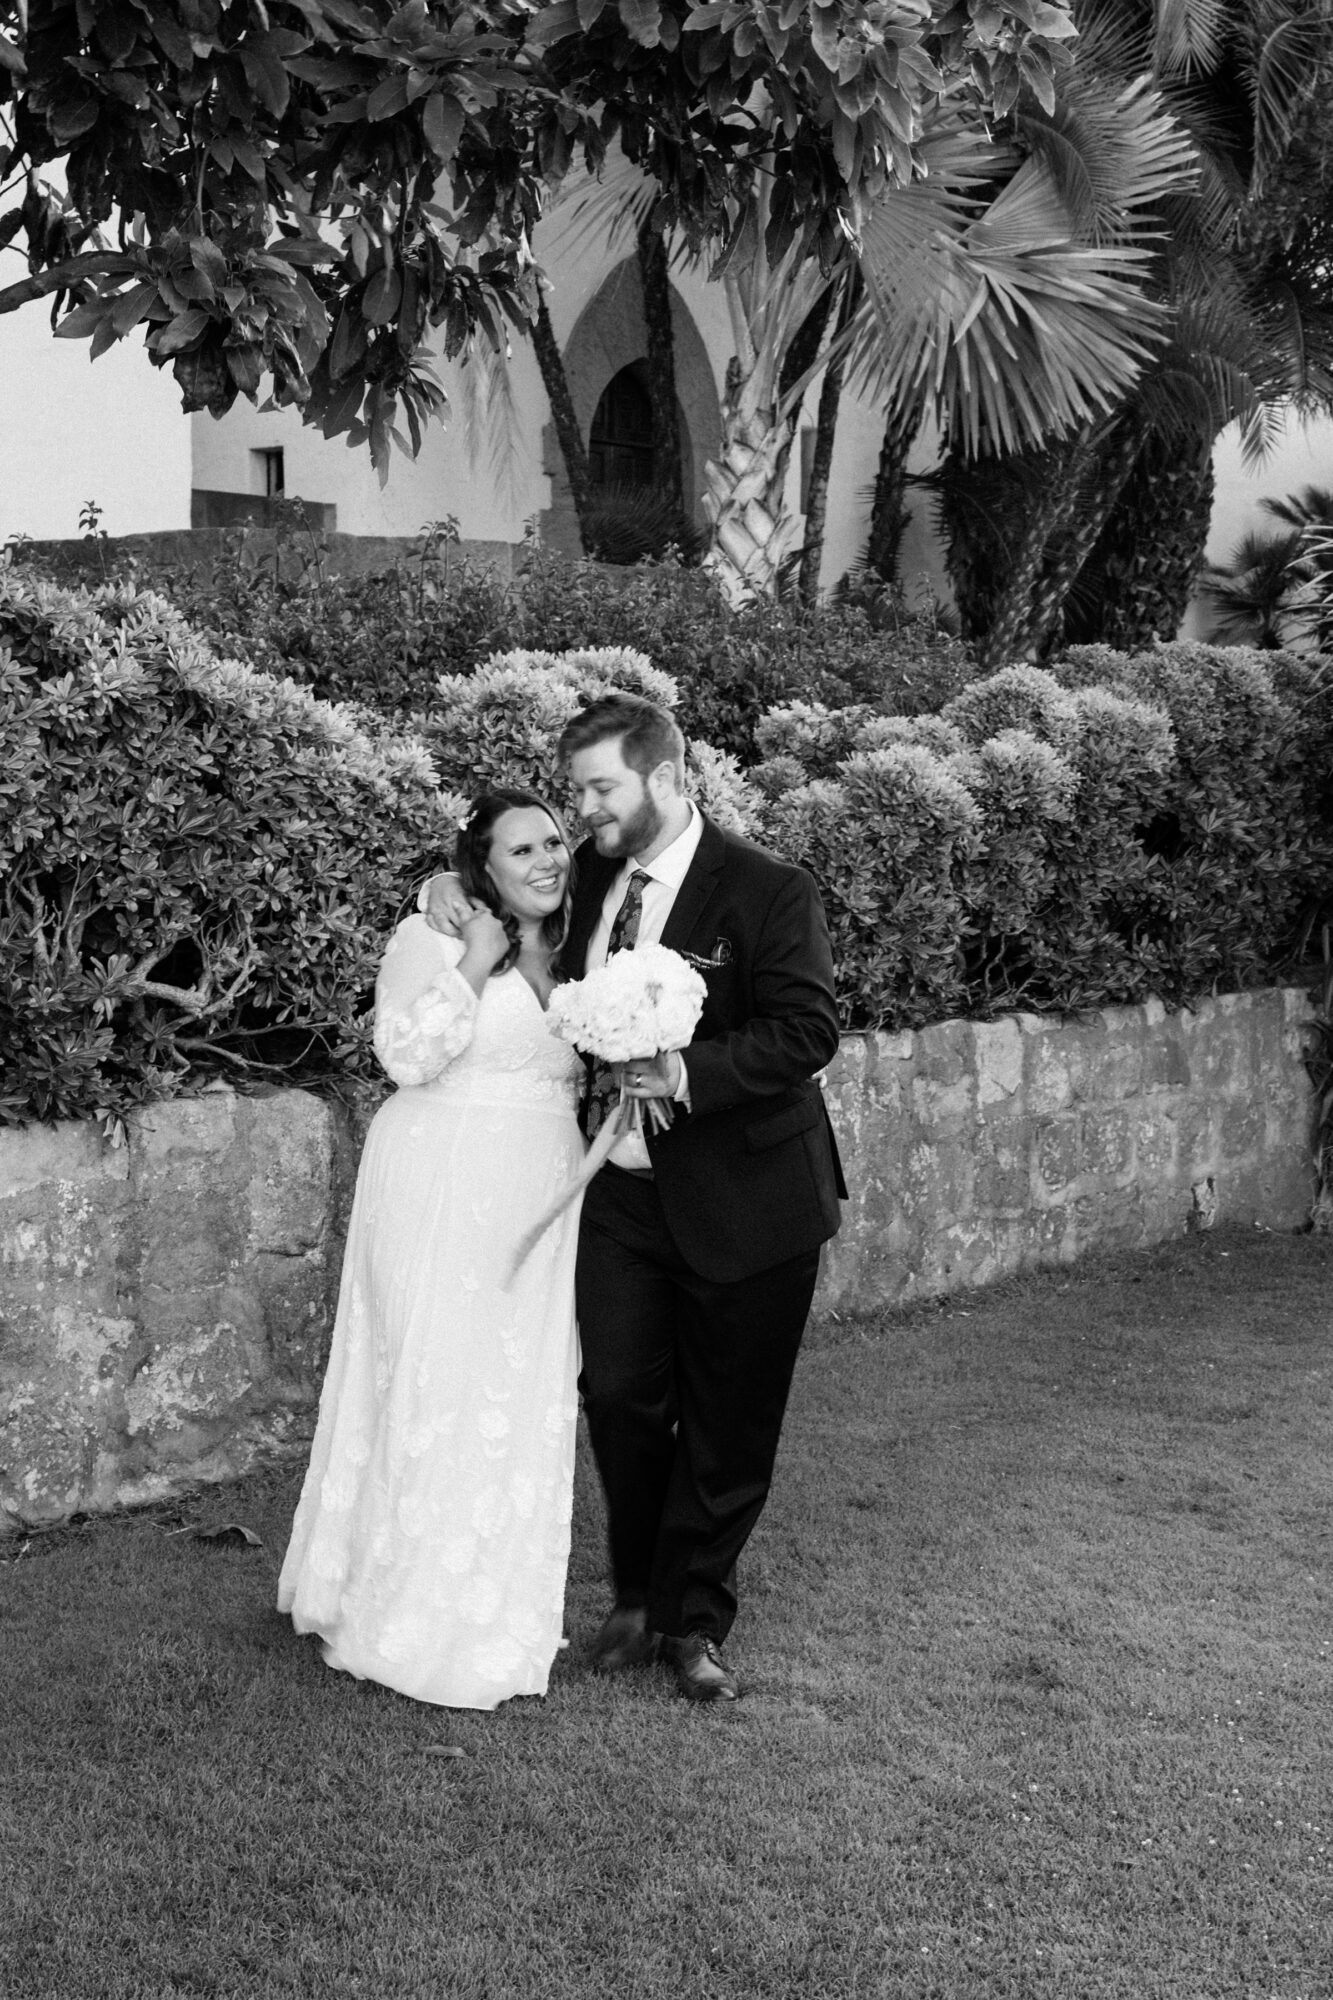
<point x="485" y="939"/>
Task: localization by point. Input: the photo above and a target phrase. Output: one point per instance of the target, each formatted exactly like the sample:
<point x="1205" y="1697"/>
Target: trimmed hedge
<point x="201" y="862"/>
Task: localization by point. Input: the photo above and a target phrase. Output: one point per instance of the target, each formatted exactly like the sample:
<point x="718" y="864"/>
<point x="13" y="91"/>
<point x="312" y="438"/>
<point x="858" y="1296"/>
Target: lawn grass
<point x="1037" y="1641"/>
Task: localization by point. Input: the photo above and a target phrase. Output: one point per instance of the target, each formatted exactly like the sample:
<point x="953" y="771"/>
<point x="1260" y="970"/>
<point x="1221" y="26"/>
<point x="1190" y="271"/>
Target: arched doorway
<point x="622" y="446"/>
<point x="606" y="369"/>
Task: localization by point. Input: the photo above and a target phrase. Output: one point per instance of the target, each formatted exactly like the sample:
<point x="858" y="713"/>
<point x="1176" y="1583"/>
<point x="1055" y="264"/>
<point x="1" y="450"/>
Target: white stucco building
<point x="111" y="432"/>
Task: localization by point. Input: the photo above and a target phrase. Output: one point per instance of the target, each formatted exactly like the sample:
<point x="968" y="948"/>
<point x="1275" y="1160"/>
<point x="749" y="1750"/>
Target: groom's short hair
<point x="649" y="735"/>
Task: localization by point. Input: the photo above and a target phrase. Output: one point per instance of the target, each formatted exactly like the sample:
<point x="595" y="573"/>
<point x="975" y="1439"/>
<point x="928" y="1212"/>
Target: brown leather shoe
<point x="701" y="1672"/>
<point x="624" y="1641"/>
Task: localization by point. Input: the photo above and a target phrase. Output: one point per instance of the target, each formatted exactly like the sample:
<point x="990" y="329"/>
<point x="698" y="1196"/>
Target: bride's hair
<point x="472" y="851"/>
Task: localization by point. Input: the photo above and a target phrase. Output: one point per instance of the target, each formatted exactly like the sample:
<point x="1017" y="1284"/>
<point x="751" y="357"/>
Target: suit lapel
<point x="695" y="891"/>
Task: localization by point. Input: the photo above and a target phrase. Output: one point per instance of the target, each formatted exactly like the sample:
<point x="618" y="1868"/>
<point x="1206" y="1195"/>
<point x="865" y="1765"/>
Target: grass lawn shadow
<point x="1037" y="1647"/>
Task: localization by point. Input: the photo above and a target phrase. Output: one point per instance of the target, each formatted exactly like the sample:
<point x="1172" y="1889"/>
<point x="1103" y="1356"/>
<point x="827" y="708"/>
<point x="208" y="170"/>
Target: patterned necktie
<point x="603" y="1092"/>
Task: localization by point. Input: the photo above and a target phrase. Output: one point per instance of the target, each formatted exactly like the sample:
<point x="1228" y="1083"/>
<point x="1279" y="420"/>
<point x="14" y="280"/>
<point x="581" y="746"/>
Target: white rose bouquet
<point x="640" y="1004"/>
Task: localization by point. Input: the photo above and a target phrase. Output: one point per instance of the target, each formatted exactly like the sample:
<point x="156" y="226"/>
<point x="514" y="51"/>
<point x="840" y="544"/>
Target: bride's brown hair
<point x="472" y="851"/>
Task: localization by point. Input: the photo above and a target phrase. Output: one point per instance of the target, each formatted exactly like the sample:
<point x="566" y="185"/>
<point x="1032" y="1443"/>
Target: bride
<point x="430" y="1544"/>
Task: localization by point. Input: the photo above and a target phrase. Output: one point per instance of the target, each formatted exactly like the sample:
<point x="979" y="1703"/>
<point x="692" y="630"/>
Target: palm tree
<point x="1247" y="598"/>
<point x="1277" y="590"/>
<point x="1248" y="332"/>
<point x="980" y="291"/>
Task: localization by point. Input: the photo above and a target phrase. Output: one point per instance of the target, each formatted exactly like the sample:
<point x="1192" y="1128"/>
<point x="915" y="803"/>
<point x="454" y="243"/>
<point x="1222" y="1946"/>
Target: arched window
<point x="621" y="444"/>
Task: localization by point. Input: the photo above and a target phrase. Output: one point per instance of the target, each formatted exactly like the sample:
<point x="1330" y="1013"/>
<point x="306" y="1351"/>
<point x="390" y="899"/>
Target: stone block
<point x="298" y="1297"/>
<point x="1083" y="1045"/>
<point x="200" y="1365"/>
<point x="193" y="1237"/>
<point x="34" y="1156"/>
<point x="999" y="1063"/>
<point x="1218" y="1060"/>
<point x="1241" y="1130"/>
<point x="1106" y="1144"/>
<point x="944" y="1083"/>
<point x="185" y="1126"/>
<point x="62" y="1241"/>
<point x="1056" y="1154"/>
<point x="1166" y="1059"/>
<point x="937" y="1180"/>
<point x="1113" y="1218"/>
<point x="290" y="1139"/>
<point x="1050" y="1239"/>
<point x="1049" y="1086"/>
<point x="1118" y="1065"/>
<point x="1153" y="1137"/>
<point x="1196" y="1122"/>
<point x="1002" y="1172"/>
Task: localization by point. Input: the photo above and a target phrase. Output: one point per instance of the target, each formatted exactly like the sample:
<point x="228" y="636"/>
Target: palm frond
<point x="1114" y="154"/>
<point x="491" y="427"/>
<point x="1191" y="34"/>
<point x="999" y="317"/>
<point x="1293" y="62"/>
<point x="589" y="216"/>
<point x="1311" y="507"/>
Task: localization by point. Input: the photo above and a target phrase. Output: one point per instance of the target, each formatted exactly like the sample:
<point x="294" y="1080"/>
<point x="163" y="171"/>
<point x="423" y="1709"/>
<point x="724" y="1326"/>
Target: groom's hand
<point x="655" y="1076"/>
<point x="444" y="905"/>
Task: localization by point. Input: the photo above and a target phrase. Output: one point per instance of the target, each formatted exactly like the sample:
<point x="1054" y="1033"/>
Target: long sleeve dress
<point x="431" y="1541"/>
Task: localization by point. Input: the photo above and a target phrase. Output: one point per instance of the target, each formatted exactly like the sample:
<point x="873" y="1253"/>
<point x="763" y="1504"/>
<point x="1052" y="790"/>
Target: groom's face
<point x="622" y="815"/>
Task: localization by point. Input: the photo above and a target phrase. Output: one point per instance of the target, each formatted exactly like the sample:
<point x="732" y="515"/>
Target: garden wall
<point x="165" y="1307"/>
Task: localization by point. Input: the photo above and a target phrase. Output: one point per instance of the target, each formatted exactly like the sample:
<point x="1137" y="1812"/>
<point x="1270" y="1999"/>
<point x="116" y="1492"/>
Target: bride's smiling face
<point x="528" y="862"/>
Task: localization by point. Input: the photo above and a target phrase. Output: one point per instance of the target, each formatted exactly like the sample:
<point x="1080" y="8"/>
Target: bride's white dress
<point x="430" y="1544"/>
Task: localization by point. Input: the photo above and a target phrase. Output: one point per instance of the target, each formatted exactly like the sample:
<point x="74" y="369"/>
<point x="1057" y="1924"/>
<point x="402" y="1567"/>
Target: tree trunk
<point x="1142" y="572"/>
<point x="1007" y="636"/>
<point x="1105" y="474"/>
<point x="743" y="497"/>
<point x="556" y="383"/>
<point x="654" y="278"/>
<point x="826" y="425"/>
<point x="888" y="509"/>
<point x="782" y="324"/>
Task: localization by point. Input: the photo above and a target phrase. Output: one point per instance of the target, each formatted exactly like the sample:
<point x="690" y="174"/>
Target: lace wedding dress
<point x="432" y="1536"/>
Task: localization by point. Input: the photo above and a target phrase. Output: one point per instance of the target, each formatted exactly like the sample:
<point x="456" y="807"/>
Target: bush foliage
<point x="1156" y="822"/>
<point x="385" y="639"/>
<point x="200" y="861"/>
<point x="203" y="860"/>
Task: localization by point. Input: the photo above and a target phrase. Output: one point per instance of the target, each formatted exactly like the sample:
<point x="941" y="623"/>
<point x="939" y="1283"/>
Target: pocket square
<point x="721" y="955"/>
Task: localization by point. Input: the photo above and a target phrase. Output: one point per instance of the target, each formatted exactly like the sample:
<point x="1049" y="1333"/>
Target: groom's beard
<point x="631" y="835"/>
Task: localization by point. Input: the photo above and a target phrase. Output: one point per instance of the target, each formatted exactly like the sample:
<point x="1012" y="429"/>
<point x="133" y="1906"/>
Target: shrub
<point x="1014" y="698"/>
<point x="1023" y="791"/>
<point x="888" y="840"/>
<point x="201" y="862"/>
<point x="1241" y="819"/>
<point x="499" y="725"/>
<point x="384" y="639"/>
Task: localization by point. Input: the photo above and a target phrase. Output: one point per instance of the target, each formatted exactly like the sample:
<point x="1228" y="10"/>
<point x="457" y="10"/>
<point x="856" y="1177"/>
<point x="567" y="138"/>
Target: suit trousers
<point x="684" y="1385"/>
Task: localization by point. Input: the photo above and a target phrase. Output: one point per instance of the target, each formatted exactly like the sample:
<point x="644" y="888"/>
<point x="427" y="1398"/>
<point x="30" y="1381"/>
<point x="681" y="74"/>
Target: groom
<point x="698" y="1244"/>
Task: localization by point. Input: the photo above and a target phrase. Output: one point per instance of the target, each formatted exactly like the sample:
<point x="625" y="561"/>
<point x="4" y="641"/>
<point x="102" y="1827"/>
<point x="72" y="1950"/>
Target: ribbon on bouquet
<point x="627" y="1116"/>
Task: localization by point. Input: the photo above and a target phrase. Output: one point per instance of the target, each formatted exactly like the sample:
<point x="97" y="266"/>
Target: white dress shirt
<point x="665" y="874"/>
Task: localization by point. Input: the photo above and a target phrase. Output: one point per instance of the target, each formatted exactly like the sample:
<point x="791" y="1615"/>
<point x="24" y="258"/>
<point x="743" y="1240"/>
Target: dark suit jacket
<point x="749" y="1176"/>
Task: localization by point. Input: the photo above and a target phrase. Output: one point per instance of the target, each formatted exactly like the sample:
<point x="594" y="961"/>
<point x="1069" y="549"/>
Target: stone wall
<point x="165" y="1308"/>
<point x="975" y="1149"/>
